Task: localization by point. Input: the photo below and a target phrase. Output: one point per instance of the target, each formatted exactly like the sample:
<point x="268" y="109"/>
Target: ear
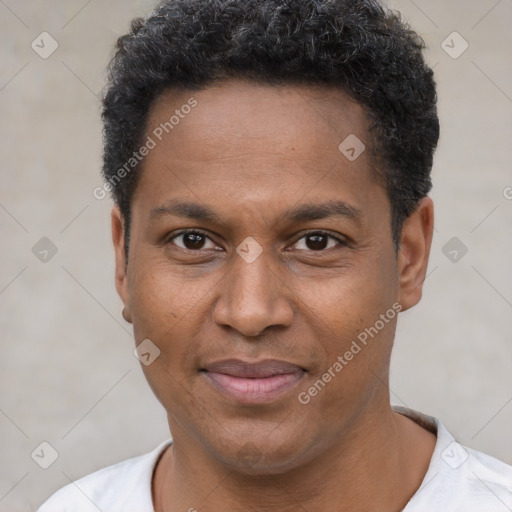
<point x="416" y="240"/>
<point x="121" y="276"/>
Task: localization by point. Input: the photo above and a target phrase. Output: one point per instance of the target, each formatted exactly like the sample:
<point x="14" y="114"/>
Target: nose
<point x="253" y="298"/>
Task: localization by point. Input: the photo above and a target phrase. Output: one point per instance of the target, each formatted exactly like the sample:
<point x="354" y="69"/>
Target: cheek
<point x="162" y="300"/>
<point x="169" y="311"/>
<point x="355" y="339"/>
<point x="354" y="299"/>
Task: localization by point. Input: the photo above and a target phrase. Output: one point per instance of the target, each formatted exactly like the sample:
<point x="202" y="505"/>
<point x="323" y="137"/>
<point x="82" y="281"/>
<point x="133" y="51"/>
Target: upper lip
<point x="260" y="369"/>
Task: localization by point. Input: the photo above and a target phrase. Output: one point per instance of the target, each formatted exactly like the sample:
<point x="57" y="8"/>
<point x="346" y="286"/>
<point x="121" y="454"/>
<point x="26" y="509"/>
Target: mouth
<point x="253" y="383"/>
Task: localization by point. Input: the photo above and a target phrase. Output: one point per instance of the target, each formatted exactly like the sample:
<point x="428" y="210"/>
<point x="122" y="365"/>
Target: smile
<point x="253" y="383"/>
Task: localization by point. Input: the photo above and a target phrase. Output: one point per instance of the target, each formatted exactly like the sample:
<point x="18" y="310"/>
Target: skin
<point x="250" y="153"/>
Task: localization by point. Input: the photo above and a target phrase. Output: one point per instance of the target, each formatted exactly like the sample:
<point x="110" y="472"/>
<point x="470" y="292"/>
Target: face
<point x="259" y="256"/>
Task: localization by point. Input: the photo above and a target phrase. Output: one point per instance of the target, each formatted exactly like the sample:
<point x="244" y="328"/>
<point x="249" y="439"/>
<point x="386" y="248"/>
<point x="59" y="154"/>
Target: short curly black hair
<point x="357" y="45"/>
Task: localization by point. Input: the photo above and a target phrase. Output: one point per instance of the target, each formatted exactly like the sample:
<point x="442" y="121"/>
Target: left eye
<point x="317" y="241"/>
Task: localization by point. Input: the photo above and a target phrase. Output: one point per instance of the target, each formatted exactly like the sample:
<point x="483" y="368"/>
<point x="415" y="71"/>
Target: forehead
<point x="256" y="142"/>
<point x="237" y="114"/>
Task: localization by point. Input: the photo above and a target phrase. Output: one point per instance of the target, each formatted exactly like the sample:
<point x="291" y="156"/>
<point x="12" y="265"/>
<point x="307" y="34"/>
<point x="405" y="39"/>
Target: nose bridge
<point x="251" y="280"/>
<point x="252" y="298"/>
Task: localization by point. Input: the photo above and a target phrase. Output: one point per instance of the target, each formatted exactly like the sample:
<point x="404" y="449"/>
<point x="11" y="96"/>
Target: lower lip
<point x="254" y="391"/>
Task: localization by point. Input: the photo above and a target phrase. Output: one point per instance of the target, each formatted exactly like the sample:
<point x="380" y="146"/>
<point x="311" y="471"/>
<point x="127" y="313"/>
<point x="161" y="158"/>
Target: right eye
<point x="192" y="240"/>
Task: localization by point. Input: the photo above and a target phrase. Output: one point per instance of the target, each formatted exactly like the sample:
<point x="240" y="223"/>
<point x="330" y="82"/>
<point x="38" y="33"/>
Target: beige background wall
<point x="68" y="376"/>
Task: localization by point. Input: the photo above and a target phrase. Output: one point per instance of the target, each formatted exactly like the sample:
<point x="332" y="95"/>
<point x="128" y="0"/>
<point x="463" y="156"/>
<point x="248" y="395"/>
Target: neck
<point x="378" y="464"/>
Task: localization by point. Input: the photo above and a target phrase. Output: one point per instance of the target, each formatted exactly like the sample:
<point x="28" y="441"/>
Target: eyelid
<point x="341" y="240"/>
<point x="169" y="239"/>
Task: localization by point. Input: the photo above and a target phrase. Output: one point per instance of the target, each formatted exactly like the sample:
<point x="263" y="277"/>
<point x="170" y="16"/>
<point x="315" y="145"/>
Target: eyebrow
<point x="186" y="210"/>
<point x="305" y="212"/>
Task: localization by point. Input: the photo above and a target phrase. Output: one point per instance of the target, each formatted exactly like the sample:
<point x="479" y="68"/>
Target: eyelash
<point x="315" y="232"/>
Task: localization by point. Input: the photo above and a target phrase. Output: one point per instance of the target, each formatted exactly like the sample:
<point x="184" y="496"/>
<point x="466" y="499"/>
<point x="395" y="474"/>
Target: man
<point x="270" y="163"/>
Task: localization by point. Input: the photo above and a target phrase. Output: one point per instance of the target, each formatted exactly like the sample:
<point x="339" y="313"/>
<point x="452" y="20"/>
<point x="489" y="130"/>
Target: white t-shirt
<point x="458" y="479"/>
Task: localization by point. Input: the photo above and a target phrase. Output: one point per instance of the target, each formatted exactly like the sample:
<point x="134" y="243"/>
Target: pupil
<point x="193" y="240"/>
<point x="316" y="242"/>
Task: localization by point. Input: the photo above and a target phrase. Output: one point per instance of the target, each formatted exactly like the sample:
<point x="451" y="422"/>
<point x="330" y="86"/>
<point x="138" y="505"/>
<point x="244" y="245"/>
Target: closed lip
<point x="253" y="370"/>
<point x="252" y="383"/>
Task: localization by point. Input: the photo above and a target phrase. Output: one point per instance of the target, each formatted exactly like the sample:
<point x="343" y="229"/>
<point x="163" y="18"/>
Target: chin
<point x="258" y="457"/>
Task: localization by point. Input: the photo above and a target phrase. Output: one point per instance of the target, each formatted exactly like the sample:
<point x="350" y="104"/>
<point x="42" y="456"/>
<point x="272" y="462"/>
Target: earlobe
<point x="127" y="315"/>
<point x="121" y="278"/>
<point x="416" y="240"/>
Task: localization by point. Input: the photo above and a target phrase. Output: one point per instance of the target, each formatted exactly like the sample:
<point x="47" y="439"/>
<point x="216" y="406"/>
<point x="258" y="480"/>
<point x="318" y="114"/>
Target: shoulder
<point x="463" y="479"/>
<point x="467" y="480"/>
<point x="490" y="477"/>
<point x="125" y="486"/>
